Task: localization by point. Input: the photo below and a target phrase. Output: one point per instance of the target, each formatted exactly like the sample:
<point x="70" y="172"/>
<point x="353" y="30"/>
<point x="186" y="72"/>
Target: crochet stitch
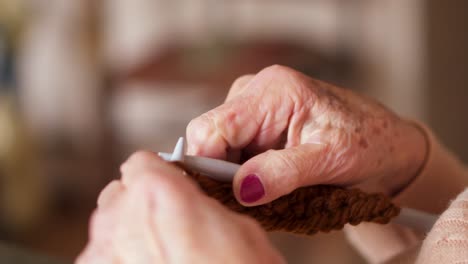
<point x="308" y="210"/>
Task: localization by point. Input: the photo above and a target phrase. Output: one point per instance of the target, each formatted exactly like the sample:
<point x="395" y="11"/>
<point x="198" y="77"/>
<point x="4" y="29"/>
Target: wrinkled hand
<point x="155" y="214"/>
<point x="296" y="131"/>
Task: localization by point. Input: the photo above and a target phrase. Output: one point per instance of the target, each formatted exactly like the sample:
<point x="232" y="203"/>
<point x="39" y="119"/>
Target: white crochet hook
<point x="216" y="169"/>
<point x="224" y="171"/>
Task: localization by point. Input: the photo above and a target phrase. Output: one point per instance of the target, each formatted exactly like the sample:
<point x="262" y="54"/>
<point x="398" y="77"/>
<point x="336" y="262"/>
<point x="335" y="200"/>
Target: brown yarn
<point x="309" y="209"/>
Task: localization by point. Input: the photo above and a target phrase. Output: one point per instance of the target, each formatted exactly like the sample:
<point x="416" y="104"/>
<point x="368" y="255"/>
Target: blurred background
<point x="84" y="83"/>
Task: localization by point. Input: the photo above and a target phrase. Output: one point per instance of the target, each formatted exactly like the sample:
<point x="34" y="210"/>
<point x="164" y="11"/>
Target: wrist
<point x="411" y="157"/>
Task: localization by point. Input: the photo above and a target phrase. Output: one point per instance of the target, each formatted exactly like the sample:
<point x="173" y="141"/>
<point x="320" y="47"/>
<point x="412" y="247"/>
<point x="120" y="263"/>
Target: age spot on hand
<point x="385" y="124"/>
<point x="363" y="143"/>
<point x="379" y="162"/>
<point x="377" y="131"/>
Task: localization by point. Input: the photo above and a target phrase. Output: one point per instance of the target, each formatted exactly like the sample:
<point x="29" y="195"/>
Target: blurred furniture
<point x="12" y="254"/>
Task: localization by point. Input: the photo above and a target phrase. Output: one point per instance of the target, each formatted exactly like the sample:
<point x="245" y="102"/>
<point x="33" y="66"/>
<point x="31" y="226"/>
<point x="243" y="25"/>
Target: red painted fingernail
<point x="251" y="189"/>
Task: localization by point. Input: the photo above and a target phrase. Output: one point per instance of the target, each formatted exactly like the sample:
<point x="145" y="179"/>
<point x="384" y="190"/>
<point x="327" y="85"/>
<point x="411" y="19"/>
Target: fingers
<point x="162" y="178"/>
<point x="275" y="173"/>
<point x="153" y="177"/>
<point x="120" y="231"/>
<point x="158" y="213"/>
<point x="255" y="115"/>
<point x="124" y="222"/>
<point x="139" y="164"/>
<point x="179" y="212"/>
<point x="230" y="126"/>
<point x="149" y="166"/>
<point x="237" y="89"/>
<point x="142" y="162"/>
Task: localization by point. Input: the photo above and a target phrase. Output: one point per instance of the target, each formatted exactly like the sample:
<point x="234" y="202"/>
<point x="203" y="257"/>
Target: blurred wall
<point x="447" y="72"/>
<point x="390" y="46"/>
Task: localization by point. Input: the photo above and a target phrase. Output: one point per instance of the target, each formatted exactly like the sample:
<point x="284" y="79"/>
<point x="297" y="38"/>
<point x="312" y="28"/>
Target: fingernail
<point x="251" y="189"/>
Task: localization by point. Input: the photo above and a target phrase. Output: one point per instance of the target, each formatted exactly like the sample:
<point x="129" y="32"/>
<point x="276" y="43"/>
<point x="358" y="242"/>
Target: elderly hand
<point x="296" y="131"/>
<point x="155" y="214"/>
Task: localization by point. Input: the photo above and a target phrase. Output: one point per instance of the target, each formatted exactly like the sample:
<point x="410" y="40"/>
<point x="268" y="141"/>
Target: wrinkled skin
<point x="320" y="134"/>
<point x="292" y="131"/>
<point x="155" y="214"/>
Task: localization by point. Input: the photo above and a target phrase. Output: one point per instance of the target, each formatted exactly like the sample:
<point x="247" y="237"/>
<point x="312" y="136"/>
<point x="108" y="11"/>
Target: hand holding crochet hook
<point x="294" y="131"/>
<point x="382" y="211"/>
<point x="288" y="131"/>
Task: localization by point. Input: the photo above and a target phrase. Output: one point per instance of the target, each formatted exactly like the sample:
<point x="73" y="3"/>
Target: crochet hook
<point x="224" y="171"/>
<point x="219" y="170"/>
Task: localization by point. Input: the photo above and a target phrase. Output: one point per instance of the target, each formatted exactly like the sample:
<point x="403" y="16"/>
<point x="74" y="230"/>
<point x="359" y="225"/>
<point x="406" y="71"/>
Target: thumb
<point x="275" y="173"/>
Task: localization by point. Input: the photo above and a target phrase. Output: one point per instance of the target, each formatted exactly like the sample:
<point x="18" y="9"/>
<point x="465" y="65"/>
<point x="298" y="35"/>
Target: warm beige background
<point x="100" y="79"/>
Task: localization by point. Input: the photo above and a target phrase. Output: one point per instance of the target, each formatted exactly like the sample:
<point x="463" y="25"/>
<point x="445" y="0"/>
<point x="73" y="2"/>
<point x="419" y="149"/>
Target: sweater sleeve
<point x="448" y="240"/>
<point x="440" y="180"/>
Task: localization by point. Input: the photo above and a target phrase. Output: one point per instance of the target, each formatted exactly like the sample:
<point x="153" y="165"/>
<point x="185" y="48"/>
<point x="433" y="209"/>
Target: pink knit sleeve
<point x="441" y="180"/>
<point x="448" y="240"/>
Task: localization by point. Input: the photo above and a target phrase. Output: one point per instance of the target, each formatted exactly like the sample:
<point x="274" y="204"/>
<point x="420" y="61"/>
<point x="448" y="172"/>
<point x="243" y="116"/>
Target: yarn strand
<point x="308" y="210"/>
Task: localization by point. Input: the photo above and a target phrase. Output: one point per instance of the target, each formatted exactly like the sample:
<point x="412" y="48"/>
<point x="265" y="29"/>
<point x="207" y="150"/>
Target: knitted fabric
<point x="308" y="210"/>
<point x="448" y="240"/>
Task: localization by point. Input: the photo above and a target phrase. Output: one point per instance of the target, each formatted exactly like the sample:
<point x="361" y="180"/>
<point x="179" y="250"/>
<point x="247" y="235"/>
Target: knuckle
<point x="141" y="157"/>
<point x="199" y="129"/>
<point x="202" y="124"/>
<point x="193" y="125"/>
<point x="285" y="81"/>
<point x="209" y="121"/>
<point x="242" y="80"/>
<point x="279" y="71"/>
